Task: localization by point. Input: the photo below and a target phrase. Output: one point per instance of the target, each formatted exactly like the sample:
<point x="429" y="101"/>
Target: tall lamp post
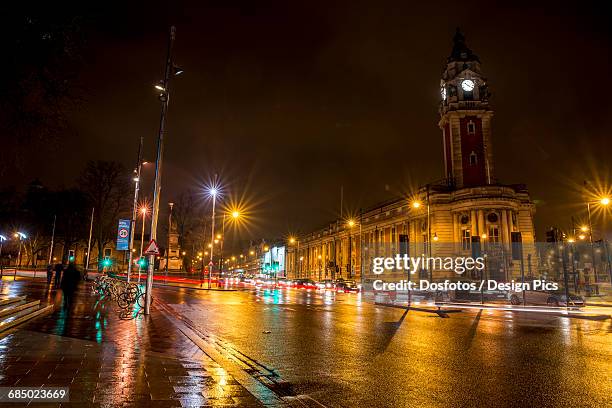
<point x="137" y="172"/>
<point x="169" y="231"/>
<point x="235" y="215"/>
<point x="213" y="192"/>
<point x="21" y="236"/>
<point x="605" y="201"/>
<point x="351" y="223"/>
<point x="2" y="239"/>
<point x="416" y="205"/>
<point x="164" y="96"/>
<point x="296" y="242"/>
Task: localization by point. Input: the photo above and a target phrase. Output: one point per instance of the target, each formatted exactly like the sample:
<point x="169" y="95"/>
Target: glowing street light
<point x="236" y="214"/>
<point x="2" y="239"/>
<point x="604" y="201"/>
<point x="416" y="204"/>
<point x="21" y="237"/>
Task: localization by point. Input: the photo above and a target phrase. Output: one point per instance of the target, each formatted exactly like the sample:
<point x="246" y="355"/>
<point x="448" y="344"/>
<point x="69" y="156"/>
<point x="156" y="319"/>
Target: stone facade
<point x="469" y="207"/>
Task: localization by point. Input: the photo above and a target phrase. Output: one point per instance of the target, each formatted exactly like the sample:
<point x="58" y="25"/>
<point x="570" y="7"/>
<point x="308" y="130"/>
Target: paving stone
<point x="110" y="362"/>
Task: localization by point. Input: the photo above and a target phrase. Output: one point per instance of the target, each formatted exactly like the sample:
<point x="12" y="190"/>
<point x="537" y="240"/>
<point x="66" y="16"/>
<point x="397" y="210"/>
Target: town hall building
<point x="469" y="211"/>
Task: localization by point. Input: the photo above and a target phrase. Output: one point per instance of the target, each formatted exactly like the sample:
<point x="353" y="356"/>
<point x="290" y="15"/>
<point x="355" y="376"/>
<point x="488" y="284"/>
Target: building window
<point x="494" y="234"/>
<point x="492" y="218"/>
<point x="465" y="219"/>
<point x="471" y="128"/>
<point x="425" y="244"/>
<point x="466" y="240"/>
<point x="473" y="158"/>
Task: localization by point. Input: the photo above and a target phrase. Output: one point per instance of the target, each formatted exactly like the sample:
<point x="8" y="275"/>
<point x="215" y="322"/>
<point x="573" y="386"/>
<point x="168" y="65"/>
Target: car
<point x="284" y="283"/>
<point x="305" y="284"/>
<point x="347" y="287"/>
<point x="326" y="284"/>
<point x="543" y="297"/>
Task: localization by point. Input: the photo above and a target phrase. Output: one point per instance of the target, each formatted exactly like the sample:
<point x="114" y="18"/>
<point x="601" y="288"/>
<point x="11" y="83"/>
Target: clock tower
<point x="465" y="119"/>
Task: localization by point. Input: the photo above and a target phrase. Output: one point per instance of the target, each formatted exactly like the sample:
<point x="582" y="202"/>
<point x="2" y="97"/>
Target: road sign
<point x="123" y="234"/>
<point x="152" y="248"/>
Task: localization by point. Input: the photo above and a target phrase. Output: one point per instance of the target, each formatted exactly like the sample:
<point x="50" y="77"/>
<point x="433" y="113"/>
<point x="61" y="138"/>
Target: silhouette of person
<point x="70" y="281"/>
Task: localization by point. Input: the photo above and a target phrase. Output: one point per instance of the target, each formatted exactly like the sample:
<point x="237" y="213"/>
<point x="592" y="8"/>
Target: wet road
<point x="345" y="352"/>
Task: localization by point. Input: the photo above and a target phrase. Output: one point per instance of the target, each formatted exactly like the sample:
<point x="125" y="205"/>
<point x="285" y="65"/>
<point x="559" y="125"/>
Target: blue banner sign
<point x="123" y="235"/>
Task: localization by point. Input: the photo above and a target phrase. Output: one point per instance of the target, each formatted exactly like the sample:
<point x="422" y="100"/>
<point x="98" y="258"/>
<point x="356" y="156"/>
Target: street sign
<point x="123" y="235"/>
<point x="152" y="248"/>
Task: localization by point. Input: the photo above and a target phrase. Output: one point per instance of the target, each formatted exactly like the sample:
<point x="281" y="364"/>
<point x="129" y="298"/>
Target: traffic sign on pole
<point x="152" y="248"/>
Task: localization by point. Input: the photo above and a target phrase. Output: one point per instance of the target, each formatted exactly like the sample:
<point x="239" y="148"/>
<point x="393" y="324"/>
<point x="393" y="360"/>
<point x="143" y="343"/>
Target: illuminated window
<point x="493" y="234"/>
<point x="466" y="240"/>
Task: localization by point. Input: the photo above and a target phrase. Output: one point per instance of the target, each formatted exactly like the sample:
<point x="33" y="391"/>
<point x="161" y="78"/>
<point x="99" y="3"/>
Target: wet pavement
<point x="345" y="352"/>
<point x="335" y="349"/>
<point x="109" y="362"/>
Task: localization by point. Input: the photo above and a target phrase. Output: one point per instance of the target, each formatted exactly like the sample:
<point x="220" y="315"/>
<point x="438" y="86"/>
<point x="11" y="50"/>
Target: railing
<point x="129" y="296"/>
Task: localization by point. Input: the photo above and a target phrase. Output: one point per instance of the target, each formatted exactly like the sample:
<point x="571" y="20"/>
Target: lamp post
<point x="143" y="211"/>
<point x="604" y="201"/>
<point x="292" y="241"/>
<point x="164" y="96"/>
<point x="2" y="239"/>
<point x="137" y="171"/>
<point x="417" y="205"/>
<point x="235" y="215"/>
<point x="351" y="224"/>
<point x="20" y="236"/>
<point x="168" y="248"/>
<point x="213" y="193"/>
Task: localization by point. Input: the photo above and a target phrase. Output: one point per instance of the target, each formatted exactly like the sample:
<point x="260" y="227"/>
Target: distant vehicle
<point x="347" y="287"/>
<point x="326" y="284"/>
<point x="542" y="297"/>
<point x="284" y="283"/>
<point x="305" y="284"/>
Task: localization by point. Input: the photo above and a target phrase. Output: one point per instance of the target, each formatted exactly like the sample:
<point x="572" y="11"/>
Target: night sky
<point x="288" y="101"/>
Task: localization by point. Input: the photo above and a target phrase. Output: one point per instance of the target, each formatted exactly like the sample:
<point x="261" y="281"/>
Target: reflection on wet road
<point x="344" y="352"/>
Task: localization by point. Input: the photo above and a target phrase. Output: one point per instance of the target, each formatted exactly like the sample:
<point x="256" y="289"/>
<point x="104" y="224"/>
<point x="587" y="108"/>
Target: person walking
<point x="70" y="281"/>
<point x="49" y="273"/>
<point x="58" y="273"/>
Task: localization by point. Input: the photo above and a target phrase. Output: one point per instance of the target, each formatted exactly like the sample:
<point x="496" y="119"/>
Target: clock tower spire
<point x="465" y="118"/>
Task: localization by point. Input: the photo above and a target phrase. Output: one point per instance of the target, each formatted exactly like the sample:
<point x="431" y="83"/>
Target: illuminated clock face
<point x="443" y="93"/>
<point x="467" y="85"/>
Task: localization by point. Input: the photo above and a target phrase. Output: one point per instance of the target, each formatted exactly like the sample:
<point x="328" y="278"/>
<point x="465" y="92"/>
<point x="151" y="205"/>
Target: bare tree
<point x="107" y="187"/>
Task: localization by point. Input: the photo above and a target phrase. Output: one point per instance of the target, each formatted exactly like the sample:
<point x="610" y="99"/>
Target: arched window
<point x="473" y="158"/>
<point x="471" y="127"/>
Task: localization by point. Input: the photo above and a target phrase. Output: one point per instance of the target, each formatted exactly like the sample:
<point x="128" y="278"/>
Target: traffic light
<point x="142" y="262"/>
<point x="107" y="262"/>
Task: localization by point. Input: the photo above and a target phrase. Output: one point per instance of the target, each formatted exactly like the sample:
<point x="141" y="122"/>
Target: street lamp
<point x="416" y="204"/>
<point x="21" y="236"/>
<point x="143" y="211"/>
<point x="213" y="192"/>
<point x="164" y="97"/>
<point x="2" y="239"/>
<point x="235" y="215"/>
<point x="351" y="223"/>
<point x="605" y="201"/>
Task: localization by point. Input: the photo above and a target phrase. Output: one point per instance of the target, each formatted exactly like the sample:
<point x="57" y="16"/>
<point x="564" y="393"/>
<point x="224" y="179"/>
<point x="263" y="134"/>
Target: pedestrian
<point x="49" y="273"/>
<point x="70" y="281"/>
<point x="58" y="273"/>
